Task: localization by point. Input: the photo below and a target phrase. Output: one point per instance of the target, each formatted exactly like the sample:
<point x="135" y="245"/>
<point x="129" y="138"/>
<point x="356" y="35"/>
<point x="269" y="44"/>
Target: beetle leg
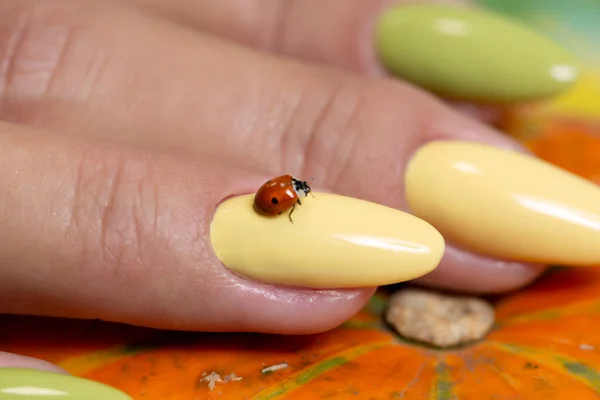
<point x="290" y="215"/>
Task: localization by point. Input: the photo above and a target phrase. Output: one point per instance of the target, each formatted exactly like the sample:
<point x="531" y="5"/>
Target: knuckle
<point x="325" y="127"/>
<point x="41" y="53"/>
<point x="358" y="134"/>
<point x="113" y="211"/>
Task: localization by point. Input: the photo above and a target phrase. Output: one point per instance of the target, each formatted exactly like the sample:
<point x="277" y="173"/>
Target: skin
<point x="117" y="149"/>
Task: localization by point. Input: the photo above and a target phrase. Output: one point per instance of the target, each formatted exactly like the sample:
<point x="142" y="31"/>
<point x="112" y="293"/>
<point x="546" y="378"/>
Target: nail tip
<point x="332" y="243"/>
<point x="505" y="204"/>
<point x="531" y="65"/>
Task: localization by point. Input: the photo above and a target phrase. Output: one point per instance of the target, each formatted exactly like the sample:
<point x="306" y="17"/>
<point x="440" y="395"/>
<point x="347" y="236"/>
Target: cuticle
<point x="229" y="197"/>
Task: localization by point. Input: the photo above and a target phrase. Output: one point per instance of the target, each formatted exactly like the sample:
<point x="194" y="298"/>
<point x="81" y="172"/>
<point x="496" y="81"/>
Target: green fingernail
<point x="29" y="384"/>
<point x="470" y="54"/>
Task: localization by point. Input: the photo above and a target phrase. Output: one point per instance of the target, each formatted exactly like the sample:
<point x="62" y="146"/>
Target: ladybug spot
<point x="274" y="201"/>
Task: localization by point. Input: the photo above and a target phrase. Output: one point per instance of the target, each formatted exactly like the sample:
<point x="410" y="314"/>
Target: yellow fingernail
<point x="505" y="204"/>
<point x="334" y="242"/>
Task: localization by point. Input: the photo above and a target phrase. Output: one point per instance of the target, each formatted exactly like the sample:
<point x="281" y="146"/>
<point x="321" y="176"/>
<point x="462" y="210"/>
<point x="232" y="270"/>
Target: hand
<point x="128" y="123"/>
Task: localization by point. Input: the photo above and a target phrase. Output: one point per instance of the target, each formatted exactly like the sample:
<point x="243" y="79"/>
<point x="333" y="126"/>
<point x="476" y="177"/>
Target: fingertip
<point x="301" y="311"/>
<point x="463" y="271"/>
<point x="312" y="273"/>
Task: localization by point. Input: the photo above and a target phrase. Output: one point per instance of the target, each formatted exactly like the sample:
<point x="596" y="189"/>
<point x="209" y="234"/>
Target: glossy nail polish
<point x="505" y="204"/>
<point x="470" y="54"/>
<point x="30" y="384"/>
<point x="333" y="242"/>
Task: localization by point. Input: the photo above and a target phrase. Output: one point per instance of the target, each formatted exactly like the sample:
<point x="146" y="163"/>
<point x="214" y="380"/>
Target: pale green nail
<point x="29" y="384"/>
<point x="470" y="54"/>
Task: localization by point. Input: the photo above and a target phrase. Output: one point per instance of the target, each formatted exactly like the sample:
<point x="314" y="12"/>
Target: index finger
<point x="94" y="230"/>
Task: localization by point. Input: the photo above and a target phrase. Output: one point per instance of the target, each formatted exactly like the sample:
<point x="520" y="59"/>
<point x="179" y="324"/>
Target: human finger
<point x="449" y="47"/>
<point x="91" y="229"/>
<point x="280" y="116"/>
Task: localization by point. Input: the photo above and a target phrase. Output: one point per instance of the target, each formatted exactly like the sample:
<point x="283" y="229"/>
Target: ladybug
<point x="280" y="194"/>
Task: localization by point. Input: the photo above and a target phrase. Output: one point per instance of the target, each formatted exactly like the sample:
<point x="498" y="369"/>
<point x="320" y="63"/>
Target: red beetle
<point x="280" y="194"/>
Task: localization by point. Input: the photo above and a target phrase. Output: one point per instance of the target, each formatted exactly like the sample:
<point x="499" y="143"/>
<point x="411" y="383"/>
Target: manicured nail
<point x="333" y="242"/>
<point x="466" y="53"/>
<point x="30" y="384"/>
<point x="505" y="204"/>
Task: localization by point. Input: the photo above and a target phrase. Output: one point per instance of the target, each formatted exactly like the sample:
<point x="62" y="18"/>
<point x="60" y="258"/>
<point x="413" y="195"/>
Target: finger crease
<point x="317" y="127"/>
<point x="107" y="213"/>
<point x="14" y="43"/>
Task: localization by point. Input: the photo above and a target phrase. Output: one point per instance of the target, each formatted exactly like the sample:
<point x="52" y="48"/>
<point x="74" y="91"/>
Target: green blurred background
<point x="573" y="23"/>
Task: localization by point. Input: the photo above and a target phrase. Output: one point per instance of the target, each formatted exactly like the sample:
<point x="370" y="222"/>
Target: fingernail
<point x="30" y="384"/>
<point x="333" y="242"/>
<point x="470" y="54"/>
<point x="505" y="204"/>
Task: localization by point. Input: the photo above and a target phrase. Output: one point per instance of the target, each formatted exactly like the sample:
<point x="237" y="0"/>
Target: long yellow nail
<point x="334" y="242"/>
<point x="505" y="204"/>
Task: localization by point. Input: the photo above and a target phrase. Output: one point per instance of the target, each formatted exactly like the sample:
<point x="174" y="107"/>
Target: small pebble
<point x="437" y="319"/>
